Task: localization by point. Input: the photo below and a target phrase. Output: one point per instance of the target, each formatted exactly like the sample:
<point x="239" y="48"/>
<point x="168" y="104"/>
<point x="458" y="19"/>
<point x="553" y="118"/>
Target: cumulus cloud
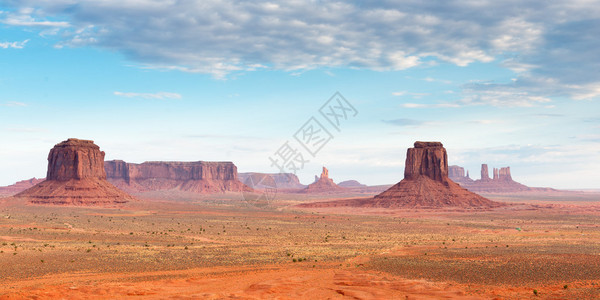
<point x="15" y="45"/>
<point x="159" y="95"/>
<point x="552" y="41"/>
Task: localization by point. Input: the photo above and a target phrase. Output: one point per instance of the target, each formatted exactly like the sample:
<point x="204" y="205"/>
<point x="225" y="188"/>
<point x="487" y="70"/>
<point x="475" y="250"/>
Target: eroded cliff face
<point x="75" y="176"/>
<point x="426" y="159"/>
<point x="75" y="159"/>
<point x="200" y="176"/>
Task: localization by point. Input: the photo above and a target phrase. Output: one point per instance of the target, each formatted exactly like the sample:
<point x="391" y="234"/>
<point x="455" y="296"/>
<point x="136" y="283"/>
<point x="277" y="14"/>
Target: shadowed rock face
<point x="427" y="159"/>
<point x="200" y="176"/>
<point x="75" y="176"/>
<point x="75" y="159"/>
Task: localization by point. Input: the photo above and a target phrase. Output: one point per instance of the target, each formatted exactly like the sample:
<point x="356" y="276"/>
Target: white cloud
<point x="15" y="45"/>
<point x="159" y="95"/>
<point x="556" y="41"/>
<point x="23" y="18"/>
<point x="14" y="104"/>
<point x="436" y="105"/>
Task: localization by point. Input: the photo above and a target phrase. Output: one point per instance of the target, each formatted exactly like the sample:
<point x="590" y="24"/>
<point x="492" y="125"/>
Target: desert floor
<point x="214" y="247"/>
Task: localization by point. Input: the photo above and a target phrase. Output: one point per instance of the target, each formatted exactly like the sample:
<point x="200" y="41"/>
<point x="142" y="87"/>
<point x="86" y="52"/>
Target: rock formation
<point x="323" y="184"/>
<point x="19" y="186"/>
<point x="456" y="171"/>
<point x="197" y="177"/>
<point x="75" y="176"/>
<point x="485" y="174"/>
<point x="351" y="184"/>
<point x="457" y="174"/>
<point x="501" y="182"/>
<point x="425" y="185"/>
<point x="281" y="180"/>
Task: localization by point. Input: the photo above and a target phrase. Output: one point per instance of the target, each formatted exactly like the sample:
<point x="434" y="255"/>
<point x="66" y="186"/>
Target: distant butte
<point x="425" y="185"/>
<point x="322" y="184"/>
<point x="75" y="176"/>
<point x="501" y="181"/>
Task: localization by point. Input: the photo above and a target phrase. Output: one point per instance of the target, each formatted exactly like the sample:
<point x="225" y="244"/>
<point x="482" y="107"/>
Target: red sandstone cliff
<point x="75" y="176"/>
<point x="198" y="177"/>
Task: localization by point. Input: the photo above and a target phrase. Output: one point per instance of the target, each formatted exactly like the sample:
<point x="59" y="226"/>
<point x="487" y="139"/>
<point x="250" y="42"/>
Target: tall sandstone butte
<point x="75" y="176"/>
<point x="197" y="177"/>
<point x="485" y="173"/>
<point x="426" y="183"/>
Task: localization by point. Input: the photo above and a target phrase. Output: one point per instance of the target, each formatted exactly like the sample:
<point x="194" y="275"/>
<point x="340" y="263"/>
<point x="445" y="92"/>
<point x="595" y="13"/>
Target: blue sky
<point x="498" y="82"/>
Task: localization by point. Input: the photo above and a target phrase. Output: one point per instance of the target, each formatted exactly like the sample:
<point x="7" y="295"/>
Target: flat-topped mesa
<point x="456" y="172"/>
<point x="281" y="180"/>
<point x="426" y="159"/>
<point x="198" y="176"/>
<point x="75" y="159"/>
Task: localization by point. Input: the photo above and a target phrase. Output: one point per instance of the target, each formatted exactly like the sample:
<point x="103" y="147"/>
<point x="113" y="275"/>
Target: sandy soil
<point x="225" y="248"/>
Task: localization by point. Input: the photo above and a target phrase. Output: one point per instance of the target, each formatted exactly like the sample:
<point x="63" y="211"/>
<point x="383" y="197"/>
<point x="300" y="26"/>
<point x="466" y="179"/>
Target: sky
<point x="507" y="83"/>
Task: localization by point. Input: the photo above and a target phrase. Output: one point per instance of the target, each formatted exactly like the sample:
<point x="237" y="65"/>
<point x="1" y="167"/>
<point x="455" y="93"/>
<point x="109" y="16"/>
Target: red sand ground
<point x="369" y="253"/>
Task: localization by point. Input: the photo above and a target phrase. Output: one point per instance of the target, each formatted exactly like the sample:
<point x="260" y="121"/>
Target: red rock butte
<point x="425" y="185"/>
<point x="322" y="184"/>
<point x="75" y="176"/>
